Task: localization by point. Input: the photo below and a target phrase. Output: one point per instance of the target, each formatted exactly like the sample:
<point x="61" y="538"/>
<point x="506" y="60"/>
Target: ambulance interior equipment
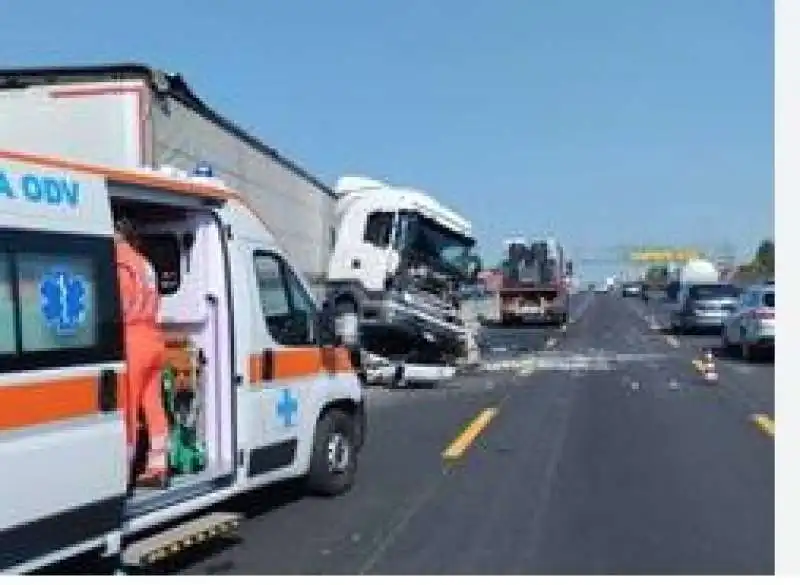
<point x="185" y="249"/>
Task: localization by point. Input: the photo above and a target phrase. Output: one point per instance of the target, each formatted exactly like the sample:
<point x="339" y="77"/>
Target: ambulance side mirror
<point x="325" y="325"/>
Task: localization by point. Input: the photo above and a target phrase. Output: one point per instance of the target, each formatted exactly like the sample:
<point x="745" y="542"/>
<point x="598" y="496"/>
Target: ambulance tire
<point x="332" y="474"/>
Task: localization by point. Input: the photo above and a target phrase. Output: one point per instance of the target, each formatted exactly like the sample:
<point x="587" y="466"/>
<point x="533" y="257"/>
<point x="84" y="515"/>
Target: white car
<point x="751" y="326"/>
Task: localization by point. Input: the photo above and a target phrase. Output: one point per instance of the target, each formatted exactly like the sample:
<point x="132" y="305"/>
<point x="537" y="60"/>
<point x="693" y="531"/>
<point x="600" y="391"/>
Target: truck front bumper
<point x="421" y="332"/>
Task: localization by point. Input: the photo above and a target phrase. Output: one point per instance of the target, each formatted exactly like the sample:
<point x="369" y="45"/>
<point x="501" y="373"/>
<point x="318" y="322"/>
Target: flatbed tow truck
<point x="535" y="285"/>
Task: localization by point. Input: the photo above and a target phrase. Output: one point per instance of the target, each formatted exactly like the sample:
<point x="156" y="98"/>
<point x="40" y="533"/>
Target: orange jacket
<point x="138" y="288"/>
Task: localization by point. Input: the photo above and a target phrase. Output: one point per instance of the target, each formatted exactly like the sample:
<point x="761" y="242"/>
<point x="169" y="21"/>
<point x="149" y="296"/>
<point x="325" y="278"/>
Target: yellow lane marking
<point x="461" y="443"/>
<point x="765" y="423"/>
<point x="672" y="341"/>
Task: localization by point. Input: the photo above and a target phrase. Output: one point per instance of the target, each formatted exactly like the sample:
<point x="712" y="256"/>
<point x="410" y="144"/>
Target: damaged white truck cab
<point x="394" y="274"/>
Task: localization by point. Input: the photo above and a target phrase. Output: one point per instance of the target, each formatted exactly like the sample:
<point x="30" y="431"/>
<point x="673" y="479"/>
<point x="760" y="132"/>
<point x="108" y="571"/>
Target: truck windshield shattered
<point x="432" y="244"/>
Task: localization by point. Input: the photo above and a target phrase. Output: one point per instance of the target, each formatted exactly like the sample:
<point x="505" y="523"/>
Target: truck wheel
<point x="347" y="323"/>
<point x="333" y="455"/>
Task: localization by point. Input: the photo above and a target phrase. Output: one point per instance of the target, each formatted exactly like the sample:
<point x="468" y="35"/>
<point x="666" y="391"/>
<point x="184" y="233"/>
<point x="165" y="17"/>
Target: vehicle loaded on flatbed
<point x="535" y="284"/>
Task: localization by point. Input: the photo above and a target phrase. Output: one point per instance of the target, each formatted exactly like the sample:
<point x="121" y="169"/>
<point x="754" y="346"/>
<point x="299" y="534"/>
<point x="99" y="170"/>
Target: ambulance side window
<point x="286" y="313"/>
<point x="303" y="307"/>
<point x="59" y="303"/>
<point x="8" y="325"/>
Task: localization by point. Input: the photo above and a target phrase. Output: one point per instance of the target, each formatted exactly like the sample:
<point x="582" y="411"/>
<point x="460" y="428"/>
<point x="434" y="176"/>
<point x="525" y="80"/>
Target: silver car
<point x="704" y="306"/>
<point x="751" y="327"/>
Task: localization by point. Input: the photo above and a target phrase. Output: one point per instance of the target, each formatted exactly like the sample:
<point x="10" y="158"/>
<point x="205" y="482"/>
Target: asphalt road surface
<point x="600" y="450"/>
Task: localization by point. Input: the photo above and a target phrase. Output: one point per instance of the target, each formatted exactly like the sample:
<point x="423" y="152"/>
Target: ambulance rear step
<point x="178" y="539"/>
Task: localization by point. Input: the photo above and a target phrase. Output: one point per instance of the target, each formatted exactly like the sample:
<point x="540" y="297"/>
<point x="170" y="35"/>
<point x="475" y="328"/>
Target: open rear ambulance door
<point x="62" y="441"/>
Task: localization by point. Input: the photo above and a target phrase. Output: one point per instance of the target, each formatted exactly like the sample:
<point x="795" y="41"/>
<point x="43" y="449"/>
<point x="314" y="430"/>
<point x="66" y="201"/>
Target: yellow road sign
<point x="665" y="255"/>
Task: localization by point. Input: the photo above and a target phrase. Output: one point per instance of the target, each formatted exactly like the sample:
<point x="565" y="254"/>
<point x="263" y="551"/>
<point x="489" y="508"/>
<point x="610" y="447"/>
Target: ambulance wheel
<point x="333" y="455"/>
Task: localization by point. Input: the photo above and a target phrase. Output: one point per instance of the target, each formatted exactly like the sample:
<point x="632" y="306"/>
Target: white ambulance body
<point x="271" y="398"/>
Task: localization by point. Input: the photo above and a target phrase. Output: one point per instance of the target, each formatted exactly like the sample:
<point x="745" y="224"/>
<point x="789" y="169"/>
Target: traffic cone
<point x="709" y="370"/>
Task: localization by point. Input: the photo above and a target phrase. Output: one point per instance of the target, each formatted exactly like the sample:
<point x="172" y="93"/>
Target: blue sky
<point x="606" y="123"/>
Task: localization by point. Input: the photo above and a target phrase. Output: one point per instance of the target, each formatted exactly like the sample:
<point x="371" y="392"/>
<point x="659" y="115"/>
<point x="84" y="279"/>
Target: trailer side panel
<point x="296" y="211"/>
<point x="128" y="115"/>
<point x="47" y="119"/>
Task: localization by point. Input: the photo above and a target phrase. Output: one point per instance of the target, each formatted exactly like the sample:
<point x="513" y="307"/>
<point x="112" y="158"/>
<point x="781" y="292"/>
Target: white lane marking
<point x="639" y="311"/>
<point x="578" y="313"/>
<point x="527" y="364"/>
<point x="654" y="323"/>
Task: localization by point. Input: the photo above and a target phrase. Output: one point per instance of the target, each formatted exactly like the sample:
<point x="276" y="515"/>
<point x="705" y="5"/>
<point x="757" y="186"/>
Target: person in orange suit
<point x="145" y="354"/>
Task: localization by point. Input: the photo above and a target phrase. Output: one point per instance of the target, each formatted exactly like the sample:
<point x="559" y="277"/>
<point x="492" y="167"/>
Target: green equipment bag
<point x="186" y="453"/>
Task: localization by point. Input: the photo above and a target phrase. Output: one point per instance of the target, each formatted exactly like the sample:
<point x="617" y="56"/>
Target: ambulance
<point x="257" y="388"/>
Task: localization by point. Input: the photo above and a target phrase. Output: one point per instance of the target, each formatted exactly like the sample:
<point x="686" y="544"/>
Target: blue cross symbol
<point x="63" y="300"/>
<point x="286" y="407"/>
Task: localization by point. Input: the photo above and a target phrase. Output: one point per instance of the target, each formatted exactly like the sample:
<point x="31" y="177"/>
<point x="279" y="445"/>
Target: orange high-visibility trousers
<point x="145" y="355"/>
<point x="145" y="360"/>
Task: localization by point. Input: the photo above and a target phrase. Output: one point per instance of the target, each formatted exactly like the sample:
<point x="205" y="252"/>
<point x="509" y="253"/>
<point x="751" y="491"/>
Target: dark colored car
<point x="705" y="306"/>
<point x="672" y="290"/>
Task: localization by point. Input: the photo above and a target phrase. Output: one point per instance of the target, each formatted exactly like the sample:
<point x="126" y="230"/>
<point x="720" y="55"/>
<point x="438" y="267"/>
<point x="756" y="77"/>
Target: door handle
<point x="107" y="397"/>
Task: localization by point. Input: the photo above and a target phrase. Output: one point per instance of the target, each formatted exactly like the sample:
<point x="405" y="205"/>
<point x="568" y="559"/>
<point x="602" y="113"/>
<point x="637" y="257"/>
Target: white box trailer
<point x="130" y="115"/>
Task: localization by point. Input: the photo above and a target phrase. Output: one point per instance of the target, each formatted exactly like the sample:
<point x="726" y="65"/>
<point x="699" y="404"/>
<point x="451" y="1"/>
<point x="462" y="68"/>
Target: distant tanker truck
<point x="696" y="271"/>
